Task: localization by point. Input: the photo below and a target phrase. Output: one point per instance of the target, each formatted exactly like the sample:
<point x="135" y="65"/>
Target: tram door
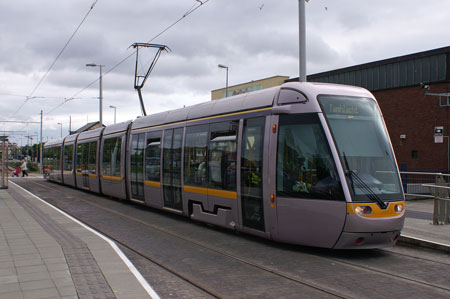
<point x="252" y="173"/>
<point x="137" y="166"/>
<point x="172" y="168"/>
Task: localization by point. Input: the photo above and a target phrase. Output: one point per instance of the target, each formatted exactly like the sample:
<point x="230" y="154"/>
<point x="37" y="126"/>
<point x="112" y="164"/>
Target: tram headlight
<point x="363" y="210"/>
<point x="398" y="208"/>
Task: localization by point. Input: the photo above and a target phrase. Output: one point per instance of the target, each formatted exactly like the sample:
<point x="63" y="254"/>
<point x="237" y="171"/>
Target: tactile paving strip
<point x="86" y="274"/>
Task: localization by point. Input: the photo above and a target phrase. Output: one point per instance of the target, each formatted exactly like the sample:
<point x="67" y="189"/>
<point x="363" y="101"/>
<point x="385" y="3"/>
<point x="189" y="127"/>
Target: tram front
<point x="337" y="182"/>
<point x="375" y="211"/>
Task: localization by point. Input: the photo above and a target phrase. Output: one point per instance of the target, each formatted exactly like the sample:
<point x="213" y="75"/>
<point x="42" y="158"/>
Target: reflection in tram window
<point x="111" y="156"/>
<point x="222" y="156"/>
<point x="137" y="165"/>
<point x="196" y="147"/>
<point x="305" y="167"/>
<point x="363" y="145"/>
<point x="252" y="173"/>
<point x="68" y="158"/>
<point x="153" y="156"/>
<point x="92" y="164"/>
<point x="172" y="168"/>
<point x="82" y="157"/>
<point x="52" y="159"/>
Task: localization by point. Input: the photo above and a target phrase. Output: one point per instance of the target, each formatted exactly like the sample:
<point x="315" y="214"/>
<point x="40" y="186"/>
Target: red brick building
<point x="407" y="89"/>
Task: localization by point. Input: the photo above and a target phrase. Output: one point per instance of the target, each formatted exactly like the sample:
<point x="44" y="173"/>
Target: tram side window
<point x="82" y="152"/>
<point x="222" y="155"/>
<point x="195" y="150"/>
<point x="111" y="156"/>
<point x="305" y="167"/>
<point x="252" y="173"/>
<point x="153" y="157"/>
<point x="92" y="164"/>
<point x="52" y="159"/>
<point x="57" y="158"/>
<point x="68" y="158"/>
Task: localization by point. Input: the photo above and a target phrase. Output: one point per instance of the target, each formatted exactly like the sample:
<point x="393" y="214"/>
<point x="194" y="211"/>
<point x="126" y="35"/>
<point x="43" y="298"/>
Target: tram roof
<point x="247" y="101"/>
<point x="90" y="134"/>
<point x="116" y="128"/>
<point x="55" y="142"/>
<point x="70" y="138"/>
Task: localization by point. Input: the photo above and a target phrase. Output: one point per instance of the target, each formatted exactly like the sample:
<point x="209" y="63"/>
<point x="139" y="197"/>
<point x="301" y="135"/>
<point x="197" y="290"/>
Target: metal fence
<point x="430" y="185"/>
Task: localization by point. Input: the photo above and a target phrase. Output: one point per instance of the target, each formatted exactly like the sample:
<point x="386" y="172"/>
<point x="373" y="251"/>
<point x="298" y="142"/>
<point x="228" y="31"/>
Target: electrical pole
<point x="41" y="146"/>
<point x="302" y="40"/>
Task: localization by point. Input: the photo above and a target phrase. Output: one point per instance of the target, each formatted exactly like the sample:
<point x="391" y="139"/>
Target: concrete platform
<point x="419" y="228"/>
<point x="46" y="254"/>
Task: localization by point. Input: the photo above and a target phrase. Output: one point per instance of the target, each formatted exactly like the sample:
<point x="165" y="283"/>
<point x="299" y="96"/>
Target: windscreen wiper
<point x="349" y="173"/>
<point x="361" y="184"/>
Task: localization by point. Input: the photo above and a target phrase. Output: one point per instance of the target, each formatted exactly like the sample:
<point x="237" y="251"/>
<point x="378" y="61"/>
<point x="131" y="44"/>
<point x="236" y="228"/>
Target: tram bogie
<point x="303" y="163"/>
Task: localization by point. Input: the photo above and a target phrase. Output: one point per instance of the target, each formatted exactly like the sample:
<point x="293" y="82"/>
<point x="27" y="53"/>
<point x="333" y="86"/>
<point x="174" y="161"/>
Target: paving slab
<point x="45" y="254"/>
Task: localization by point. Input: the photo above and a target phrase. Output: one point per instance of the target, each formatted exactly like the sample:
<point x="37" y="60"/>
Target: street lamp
<point x="101" y="91"/>
<point x="114" y="107"/>
<point x="61" y="128"/>
<point x="226" y="86"/>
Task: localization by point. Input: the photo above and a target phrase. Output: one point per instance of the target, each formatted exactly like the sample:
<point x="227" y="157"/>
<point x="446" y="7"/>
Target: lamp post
<point x="100" y="92"/>
<point x="114" y="107"/>
<point x="61" y="128"/>
<point x="226" y="86"/>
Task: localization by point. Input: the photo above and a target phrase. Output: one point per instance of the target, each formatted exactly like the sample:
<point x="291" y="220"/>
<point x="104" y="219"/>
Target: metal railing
<point x="429" y="185"/>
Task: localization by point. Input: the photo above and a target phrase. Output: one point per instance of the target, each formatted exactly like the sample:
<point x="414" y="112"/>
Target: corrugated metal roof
<point x="408" y="70"/>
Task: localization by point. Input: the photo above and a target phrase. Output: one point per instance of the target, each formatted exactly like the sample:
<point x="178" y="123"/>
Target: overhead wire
<point x="187" y="13"/>
<point x="30" y="96"/>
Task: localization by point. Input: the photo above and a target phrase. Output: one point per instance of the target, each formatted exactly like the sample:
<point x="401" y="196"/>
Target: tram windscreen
<point x="363" y="145"/>
<point x="305" y="167"/>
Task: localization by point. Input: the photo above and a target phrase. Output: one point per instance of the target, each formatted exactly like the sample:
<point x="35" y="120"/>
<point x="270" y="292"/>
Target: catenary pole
<point x="302" y="41"/>
<point x="41" y="147"/>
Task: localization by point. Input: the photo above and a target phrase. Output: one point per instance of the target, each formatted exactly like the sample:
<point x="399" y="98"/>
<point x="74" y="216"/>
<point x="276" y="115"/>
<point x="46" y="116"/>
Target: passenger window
<point x="82" y="157"/>
<point x="51" y="159"/>
<point x="137" y="165"/>
<point x="172" y="168"/>
<point x="195" y="150"/>
<point x="68" y="157"/>
<point x="153" y="156"/>
<point x="111" y="156"/>
<point x="305" y="167"/>
<point x="222" y="155"/>
<point x="252" y="173"/>
<point x="92" y="164"/>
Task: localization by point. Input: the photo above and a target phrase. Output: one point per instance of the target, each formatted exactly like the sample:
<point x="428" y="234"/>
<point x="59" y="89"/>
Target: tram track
<point x="327" y="291"/>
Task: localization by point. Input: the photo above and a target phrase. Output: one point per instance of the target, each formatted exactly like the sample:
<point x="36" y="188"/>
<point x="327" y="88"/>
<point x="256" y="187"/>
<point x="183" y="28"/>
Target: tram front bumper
<point x="366" y="240"/>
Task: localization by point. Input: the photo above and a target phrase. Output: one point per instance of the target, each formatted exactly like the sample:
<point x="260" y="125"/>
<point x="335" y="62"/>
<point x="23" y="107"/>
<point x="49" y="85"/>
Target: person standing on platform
<point x="23" y="168"/>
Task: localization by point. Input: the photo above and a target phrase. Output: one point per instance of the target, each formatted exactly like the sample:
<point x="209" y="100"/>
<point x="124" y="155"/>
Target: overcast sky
<point x="254" y="38"/>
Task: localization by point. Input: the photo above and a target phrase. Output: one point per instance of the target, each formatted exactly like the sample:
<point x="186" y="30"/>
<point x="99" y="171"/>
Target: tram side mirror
<point x="291" y="96"/>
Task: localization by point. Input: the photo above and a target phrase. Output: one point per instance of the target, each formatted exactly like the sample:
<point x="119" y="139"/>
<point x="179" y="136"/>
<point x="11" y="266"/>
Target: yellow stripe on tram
<point x="112" y="178"/>
<point x="212" y="192"/>
<point x="153" y="184"/>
